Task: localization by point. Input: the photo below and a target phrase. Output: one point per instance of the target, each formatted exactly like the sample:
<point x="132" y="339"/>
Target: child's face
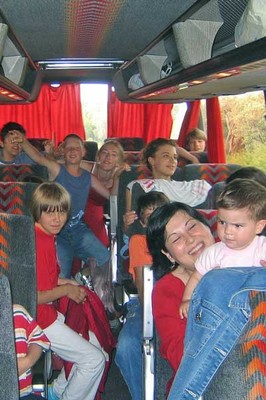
<point x="197" y="145"/>
<point x="52" y="222"/>
<point x="236" y="229"/>
<point x="164" y="162"/>
<point x="145" y="214"/>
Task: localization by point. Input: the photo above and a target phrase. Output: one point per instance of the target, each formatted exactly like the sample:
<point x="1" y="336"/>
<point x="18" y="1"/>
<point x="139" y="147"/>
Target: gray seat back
<point x="8" y="365"/>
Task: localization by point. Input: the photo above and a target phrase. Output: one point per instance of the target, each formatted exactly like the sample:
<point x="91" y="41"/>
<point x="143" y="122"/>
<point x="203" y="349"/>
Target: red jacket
<point x="90" y="315"/>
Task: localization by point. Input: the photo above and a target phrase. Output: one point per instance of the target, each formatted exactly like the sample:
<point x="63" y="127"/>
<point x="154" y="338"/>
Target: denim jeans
<point x="218" y="313"/>
<point x="78" y="241"/>
<point x="129" y="349"/>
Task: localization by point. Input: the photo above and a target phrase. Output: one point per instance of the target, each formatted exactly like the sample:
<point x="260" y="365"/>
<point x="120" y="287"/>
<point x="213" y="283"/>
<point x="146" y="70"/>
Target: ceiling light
<point x="81" y="64"/>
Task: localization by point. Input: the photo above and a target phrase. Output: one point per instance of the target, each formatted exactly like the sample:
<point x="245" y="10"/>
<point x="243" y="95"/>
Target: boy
<point x="50" y="207"/>
<point x="30" y="341"/>
<point x="241" y="218"/>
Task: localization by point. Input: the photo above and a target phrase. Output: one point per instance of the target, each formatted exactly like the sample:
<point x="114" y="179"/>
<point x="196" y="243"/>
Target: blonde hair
<point x="114" y="143"/>
<point x="49" y="196"/>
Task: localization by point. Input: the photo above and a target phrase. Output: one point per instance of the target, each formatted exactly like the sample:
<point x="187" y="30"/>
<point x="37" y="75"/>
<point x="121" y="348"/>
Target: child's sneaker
<point x="51" y="394"/>
<point x="84" y="280"/>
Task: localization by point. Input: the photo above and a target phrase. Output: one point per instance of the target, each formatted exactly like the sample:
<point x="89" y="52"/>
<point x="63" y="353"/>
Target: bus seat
<point x="202" y="156"/>
<point x="211" y="217"/>
<point x="18" y="263"/>
<point x="242" y="374"/>
<point x="15" y="197"/>
<point x="216" y="190"/>
<point x="91" y="150"/>
<point x="131" y="143"/>
<point x="212" y="173"/>
<point x="20" y="172"/>
<point x="8" y="365"/>
<point x="133" y="157"/>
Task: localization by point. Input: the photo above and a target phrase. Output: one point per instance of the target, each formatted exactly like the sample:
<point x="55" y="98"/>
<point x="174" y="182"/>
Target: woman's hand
<point x="263" y="263"/>
<point x="183" y="309"/>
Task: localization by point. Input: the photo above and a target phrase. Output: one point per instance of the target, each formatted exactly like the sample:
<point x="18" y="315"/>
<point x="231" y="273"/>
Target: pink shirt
<point x="220" y="256"/>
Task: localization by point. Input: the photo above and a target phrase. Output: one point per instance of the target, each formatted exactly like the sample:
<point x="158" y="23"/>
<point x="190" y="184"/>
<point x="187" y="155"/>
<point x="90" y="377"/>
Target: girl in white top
<point x="241" y="218"/>
<point x="161" y="157"/>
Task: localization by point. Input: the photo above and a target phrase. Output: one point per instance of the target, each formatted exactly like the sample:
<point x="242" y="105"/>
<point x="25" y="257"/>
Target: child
<point x="196" y="140"/>
<point x="241" y="218"/>
<point x="30" y="341"/>
<point x="50" y="207"/>
<point x="138" y="251"/>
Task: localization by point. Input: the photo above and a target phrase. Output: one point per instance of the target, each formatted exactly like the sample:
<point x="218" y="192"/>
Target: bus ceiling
<point x="149" y="50"/>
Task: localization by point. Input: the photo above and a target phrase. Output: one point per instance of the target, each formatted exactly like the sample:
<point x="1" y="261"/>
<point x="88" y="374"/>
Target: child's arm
<point x="190" y="286"/>
<point x="33" y="355"/>
<point x="52" y="165"/>
<point x="99" y="187"/>
<point x="187" y="155"/>
<point x="76" y="293"/>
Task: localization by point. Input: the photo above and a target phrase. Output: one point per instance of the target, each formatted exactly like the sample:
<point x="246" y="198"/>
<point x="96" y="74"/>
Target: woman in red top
<point x="176" y="235"/>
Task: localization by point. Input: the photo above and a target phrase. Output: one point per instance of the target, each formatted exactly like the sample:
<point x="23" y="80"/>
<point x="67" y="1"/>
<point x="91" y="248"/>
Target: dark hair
<point x="11" y="126"/>
<point x="152" y="148"/>
<point x="156" y="233"/>
<point x="244" y="193"/>
<point x="248" y="173"/>
<point x="151" y="199"/>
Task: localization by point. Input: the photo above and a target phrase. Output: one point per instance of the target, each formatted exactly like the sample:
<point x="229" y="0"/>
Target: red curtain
<point x="56" y="113"/>
<point x="138" y="119"/>
<point x="191" y="121"/>
<point x="215" y="143"/>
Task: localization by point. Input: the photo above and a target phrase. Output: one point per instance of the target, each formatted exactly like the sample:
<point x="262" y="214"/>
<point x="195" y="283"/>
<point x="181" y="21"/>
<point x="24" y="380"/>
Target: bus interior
<point x="149" y="53"/>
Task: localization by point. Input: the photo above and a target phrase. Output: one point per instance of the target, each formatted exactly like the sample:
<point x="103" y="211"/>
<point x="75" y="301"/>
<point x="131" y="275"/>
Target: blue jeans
<point x="78" y="241"/>
<point x="129" y="349"/>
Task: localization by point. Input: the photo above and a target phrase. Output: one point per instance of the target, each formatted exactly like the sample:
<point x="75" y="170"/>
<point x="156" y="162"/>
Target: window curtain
<point x="215" y="143"/>
<point x="56" y="113"/>
<point x="191" y="121"/>
<point x="148" y="121"/>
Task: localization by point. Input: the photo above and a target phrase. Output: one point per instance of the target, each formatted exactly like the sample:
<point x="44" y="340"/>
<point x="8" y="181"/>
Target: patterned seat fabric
<point x="15" y="197"/>
<point x="20" y="172"/>
<point x="211" y="217"/>
<point x="212" y="173"/>
<point x="133" y="157"/>
<point x="18" y="258"/>
<point x="242" y="375"/>
<point x="131" y="143"/>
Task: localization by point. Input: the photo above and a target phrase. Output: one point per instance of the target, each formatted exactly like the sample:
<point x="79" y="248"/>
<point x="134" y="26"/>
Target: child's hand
<point x="183" y="309"/>
<point x="263" y="263"/>
<point x="120" y="169"/>
<point x="16" y="137"/>
<point x="129" y="217"/>
<point x="76" y="293"/>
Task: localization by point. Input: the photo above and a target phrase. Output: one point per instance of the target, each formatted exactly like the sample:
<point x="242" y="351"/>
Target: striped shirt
<point x="27" y="332"/>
